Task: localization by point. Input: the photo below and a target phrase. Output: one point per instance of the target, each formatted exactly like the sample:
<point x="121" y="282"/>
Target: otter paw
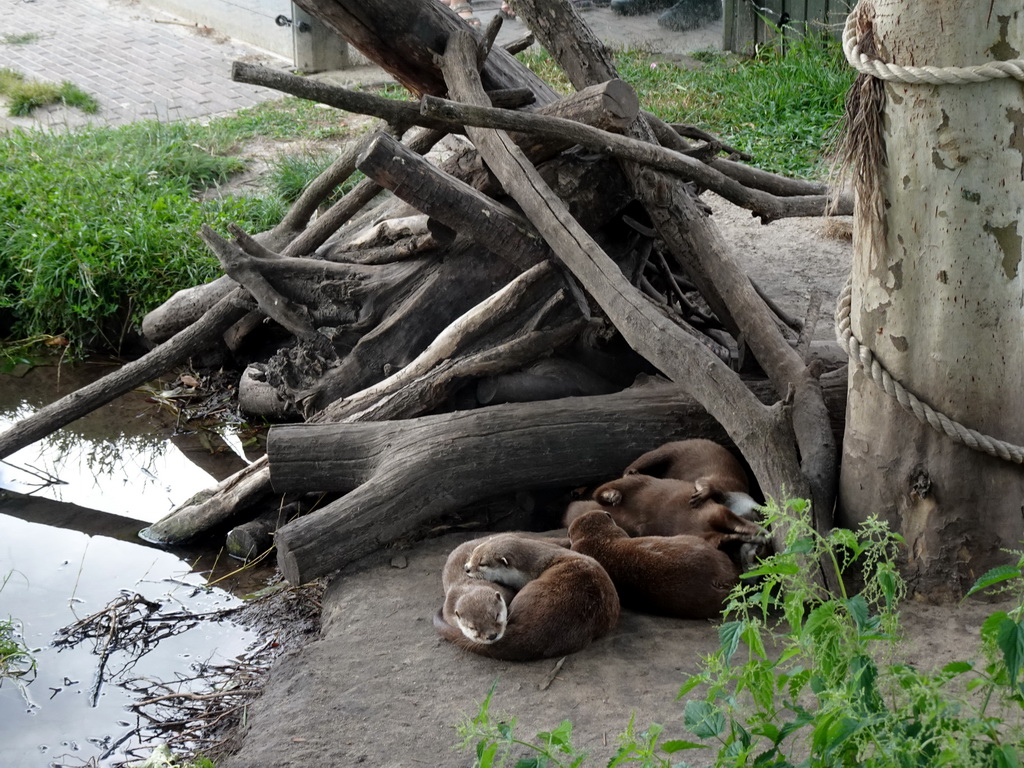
<point x="610" y="497"/>
<point x="701" y="493"/>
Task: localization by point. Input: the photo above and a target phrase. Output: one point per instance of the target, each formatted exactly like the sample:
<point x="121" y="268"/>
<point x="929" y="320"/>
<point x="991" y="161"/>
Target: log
<point x="404" y="475"/>
<point x="402" y="38"/>
<point x="454" y="203"/>
<point x="400" y="115"/>
<point x="763" y="435"/>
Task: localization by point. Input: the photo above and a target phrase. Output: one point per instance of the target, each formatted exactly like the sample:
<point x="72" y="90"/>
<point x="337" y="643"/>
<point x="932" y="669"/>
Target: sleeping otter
<point x="478" y="608"/>
<point x="681" y="576"/>
<point x="649" y="506"/>
<point x="565" y="601"/>
<point x="713" y="470"/>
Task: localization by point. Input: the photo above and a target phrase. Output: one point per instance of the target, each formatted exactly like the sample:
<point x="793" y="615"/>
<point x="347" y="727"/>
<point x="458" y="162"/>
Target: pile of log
<point x="467" y="323"/>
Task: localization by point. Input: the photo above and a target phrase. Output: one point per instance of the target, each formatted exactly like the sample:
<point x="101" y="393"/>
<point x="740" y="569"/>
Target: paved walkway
<point x="121" y="53"/>
<point x="142" y="64"/>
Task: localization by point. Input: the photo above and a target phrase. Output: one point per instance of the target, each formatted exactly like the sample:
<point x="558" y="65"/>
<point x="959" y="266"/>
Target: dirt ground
<point x="380" y="687"/>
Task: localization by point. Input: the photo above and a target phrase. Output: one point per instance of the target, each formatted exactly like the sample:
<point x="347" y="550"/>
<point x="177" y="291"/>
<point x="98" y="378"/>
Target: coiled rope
<point x="860" y="354"/>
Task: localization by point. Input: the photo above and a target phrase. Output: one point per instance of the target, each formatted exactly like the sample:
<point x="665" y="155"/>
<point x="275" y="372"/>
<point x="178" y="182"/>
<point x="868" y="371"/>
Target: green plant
<point x="24" y="38"/>
<point x="290" y="174"/>
<point x="807" y="677"/>
<point x="16" y="660"/>
<point x="26" y="95"/>
<point x="98" y="224"/>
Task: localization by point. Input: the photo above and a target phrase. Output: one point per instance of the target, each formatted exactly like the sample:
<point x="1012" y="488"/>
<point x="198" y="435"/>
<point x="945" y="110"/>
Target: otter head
<point x="482" y="615"/>
<point x="596" y="524"/>
<point x="494" y="560"/>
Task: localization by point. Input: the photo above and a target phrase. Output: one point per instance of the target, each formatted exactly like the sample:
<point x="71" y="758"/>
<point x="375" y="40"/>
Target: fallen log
<point x="403" y="475"/>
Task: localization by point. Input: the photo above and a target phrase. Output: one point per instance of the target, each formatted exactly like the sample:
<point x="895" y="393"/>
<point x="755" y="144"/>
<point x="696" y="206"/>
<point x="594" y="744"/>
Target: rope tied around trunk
<point x="865" y="359"/>
<point x="875" y="67"/>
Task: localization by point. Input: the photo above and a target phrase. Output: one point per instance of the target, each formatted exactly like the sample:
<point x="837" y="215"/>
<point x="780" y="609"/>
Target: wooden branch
<point x="454" y="340"/>
<point x="452" y="202"/>
<point x="763" y="205"/>
<point x="238" y="265"/>
<point x="646" y="330"/>
<point x="698" y="246"/>
<point x="403" y="43"/>
<point x="321" y="187"/>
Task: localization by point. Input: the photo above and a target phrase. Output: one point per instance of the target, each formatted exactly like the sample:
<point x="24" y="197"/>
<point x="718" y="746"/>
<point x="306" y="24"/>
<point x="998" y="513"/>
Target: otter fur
<point x="650" y="506"/>
<point x="713" y="470"/>
<point x="680" y="576"/>
<point x="565" y="599"/>
<point x="478" y="608"/>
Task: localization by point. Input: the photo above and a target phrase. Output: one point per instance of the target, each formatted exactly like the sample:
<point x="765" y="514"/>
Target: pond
<point x="70" y="510"/>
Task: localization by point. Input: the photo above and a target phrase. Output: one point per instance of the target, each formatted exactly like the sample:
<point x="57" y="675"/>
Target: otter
<point x="565" y="599"/>
<point x="478" y="608"/>
<point x="680" y="576"/>
<point x="713" y="470"/>
<point x="650" y="506"/>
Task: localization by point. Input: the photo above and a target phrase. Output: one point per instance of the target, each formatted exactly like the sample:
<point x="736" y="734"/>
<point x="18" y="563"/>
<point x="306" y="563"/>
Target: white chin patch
<point x="741" y="504"/>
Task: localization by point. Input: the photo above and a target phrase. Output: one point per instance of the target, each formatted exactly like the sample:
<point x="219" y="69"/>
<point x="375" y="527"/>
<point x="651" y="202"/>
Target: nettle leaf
<point x="559" y="737"/>
<point x="957" y="667"/>
<point x="990" y="627"/>
<point x="678" y="745"/>
<point x="729" y="637"/>
<point x="703" y="720"/>
<point x="997" y="575"/>
<point x="858" y="608"/>
<point x="1010" y="639"/>
<point x="800" y="547"/>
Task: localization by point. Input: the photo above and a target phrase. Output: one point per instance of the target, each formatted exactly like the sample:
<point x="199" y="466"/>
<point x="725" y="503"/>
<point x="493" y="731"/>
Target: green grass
<point x="16" y="660"/>
<point x="290" y="174"/>
<point x="781" y="107"/>
<point x="24" y="96"/>
<point x="24" y="38"/>
<point x="97" y="226"/>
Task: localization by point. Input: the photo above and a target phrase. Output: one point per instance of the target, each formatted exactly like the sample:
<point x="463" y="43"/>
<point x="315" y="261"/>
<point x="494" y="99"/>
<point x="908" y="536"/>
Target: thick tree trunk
<point x="939" y="302"/>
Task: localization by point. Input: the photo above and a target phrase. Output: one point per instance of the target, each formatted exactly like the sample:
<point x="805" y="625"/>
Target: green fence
<point x="749" y="23"/>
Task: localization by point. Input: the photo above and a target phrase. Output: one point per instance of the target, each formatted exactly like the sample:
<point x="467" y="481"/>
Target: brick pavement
<point x="135" y="66"/>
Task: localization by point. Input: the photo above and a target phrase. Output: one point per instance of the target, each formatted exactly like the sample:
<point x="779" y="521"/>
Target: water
<point x="100" y="480"/>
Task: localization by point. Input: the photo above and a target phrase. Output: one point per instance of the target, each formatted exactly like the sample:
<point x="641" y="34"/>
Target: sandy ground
<point x="379" y="687"/>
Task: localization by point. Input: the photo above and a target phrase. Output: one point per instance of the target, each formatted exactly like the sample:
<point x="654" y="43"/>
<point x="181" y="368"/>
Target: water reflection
<point x="117" y="469"/>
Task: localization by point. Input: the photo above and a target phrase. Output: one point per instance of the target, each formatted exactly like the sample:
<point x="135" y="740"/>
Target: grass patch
<point x="23" y="95"/>
<point x="782" y="106"/>
<point x="99" y="225"/>
<point x="16" y="660"/>
<point x="24" y="38"/>
<point x="290" y="174"/>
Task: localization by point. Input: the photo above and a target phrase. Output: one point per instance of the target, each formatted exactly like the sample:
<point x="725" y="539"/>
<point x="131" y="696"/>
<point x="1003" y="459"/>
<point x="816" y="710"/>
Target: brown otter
<point x="566" y="599"/>
<point x="478" y="608"/>
<point x="713" y="470"/>
<point x="681" y="576"/>
<point x="650" y="506"/>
